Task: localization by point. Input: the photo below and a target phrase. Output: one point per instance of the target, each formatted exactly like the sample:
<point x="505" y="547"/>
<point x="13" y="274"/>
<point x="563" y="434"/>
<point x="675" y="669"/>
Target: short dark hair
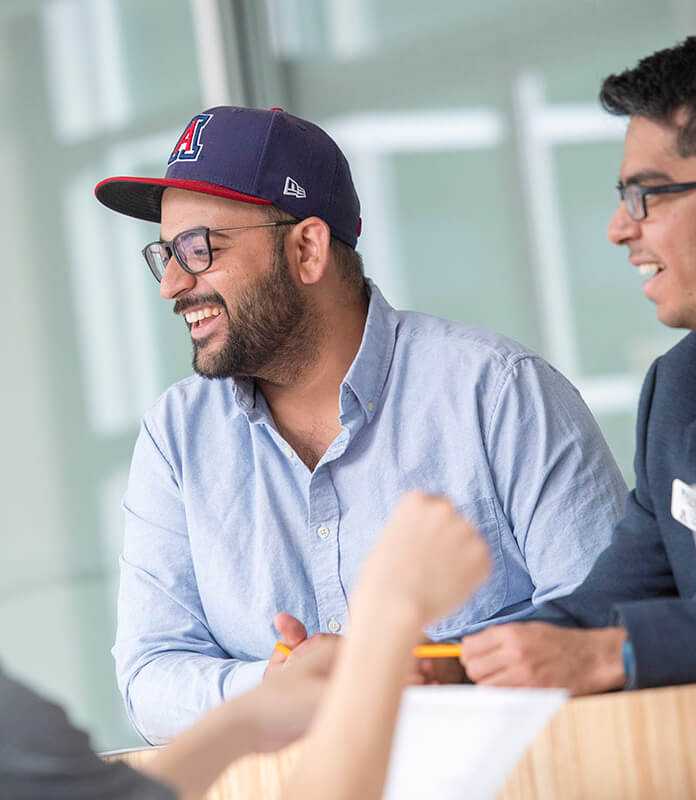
<point x="661" y="85"/>
<point x="348" y="261"/>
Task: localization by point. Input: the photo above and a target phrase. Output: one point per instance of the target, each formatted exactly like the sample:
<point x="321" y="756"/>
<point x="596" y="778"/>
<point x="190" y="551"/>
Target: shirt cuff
<point x="248" y="675"/>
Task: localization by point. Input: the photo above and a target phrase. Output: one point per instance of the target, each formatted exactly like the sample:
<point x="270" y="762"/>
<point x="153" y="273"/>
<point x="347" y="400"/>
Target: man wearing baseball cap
<point x="259" y="484"/>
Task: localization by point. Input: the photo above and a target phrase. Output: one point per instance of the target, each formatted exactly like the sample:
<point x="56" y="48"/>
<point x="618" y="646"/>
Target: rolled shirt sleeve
<point x="558" y="484"/>
<point x="634" y="568"/>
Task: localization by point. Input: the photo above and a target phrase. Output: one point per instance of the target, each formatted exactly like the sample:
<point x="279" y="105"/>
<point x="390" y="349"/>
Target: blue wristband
<point x="628" y="655"/>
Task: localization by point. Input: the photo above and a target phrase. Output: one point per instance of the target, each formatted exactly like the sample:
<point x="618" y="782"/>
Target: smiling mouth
<point x="194" y="317"/>
<point x="203" y="321"/>
<point x="648" y="271"/>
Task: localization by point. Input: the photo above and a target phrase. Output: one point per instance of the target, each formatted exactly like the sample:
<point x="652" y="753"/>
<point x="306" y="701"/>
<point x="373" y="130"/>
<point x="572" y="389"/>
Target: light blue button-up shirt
<point x="226" y="526"/>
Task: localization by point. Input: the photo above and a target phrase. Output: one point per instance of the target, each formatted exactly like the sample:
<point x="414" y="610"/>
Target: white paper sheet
<point x="461" y="742"/>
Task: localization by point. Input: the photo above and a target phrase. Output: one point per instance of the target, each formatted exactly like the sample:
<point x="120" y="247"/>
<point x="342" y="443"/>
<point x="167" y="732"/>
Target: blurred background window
<point x="486" y="171"/>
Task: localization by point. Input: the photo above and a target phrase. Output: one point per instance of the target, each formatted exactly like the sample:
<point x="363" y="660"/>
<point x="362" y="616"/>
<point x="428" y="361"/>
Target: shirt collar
<point x="368" y="372"/>
<point x="244" y="393"/>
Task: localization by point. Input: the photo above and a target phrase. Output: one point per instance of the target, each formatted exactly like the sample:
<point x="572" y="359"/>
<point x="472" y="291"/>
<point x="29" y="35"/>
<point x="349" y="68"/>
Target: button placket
<point x="323" y="526"/>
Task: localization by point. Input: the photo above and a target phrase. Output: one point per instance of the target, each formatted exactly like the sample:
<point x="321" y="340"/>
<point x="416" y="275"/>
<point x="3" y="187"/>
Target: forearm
<point x="361" y="707"/>
<point x="193" y="761"/>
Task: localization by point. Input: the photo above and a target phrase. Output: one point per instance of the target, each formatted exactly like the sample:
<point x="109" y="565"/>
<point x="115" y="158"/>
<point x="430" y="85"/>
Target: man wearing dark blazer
<point x="639" y="600"/>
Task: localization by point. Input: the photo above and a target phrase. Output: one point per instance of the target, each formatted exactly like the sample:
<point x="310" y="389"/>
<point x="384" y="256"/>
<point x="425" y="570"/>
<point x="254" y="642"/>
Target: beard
<point x="272" y="334"/>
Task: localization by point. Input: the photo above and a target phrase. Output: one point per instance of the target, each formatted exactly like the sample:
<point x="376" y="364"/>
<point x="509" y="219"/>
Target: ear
<point x="307" y="248"/>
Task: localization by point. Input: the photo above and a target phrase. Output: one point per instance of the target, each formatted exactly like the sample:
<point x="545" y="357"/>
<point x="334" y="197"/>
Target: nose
<point x="622" y="227"/>
<point x="175" y="280"/>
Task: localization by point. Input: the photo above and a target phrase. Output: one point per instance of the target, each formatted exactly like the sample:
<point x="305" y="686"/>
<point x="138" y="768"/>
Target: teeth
<point x="196" y="316"/>
<point x="649" y="270"/>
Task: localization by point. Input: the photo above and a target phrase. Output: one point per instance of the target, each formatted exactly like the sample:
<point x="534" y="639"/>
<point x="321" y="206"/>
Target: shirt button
<point x="370" y="406"/>
<point x="323" y="532"/>
<point x="288" y="451"/>
<point x="334" y="625"/>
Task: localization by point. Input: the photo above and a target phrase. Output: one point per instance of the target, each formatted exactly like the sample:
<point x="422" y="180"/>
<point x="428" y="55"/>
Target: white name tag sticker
<point x="684" y="504"/>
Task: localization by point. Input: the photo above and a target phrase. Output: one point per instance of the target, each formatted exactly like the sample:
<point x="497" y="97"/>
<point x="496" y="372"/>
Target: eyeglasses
<point x="192" y="249"/>
<point x="633" y="195"/>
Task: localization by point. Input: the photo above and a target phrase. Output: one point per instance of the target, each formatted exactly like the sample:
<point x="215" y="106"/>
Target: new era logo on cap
<point x="294" y="189"/>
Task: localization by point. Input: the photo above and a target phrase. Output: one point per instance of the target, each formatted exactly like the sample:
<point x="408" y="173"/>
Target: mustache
<point x="212" y="299"/>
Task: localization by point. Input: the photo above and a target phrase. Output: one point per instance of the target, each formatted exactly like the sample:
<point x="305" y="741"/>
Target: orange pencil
<point x="446" y="650"/>
<point x="421" y="651"/>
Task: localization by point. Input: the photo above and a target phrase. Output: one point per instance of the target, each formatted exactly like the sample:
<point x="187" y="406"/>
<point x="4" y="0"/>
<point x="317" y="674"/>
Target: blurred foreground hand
<point x="429" y="558"/>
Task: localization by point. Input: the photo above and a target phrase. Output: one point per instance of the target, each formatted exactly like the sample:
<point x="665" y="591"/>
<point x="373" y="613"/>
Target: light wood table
<point x="255" y="777"/>
<point x="623" y="746"/>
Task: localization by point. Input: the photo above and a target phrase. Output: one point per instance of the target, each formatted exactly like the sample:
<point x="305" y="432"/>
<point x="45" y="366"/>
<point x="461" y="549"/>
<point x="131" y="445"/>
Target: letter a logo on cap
<point x="189" y="146"/>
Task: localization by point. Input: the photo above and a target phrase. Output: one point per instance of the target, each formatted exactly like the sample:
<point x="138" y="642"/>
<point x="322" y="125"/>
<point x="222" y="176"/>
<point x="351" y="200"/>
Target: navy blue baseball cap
<point x="259" y="156"/>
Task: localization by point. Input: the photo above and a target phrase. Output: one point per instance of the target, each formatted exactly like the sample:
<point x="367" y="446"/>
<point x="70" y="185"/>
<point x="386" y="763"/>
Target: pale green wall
<point x="65" y="470"/>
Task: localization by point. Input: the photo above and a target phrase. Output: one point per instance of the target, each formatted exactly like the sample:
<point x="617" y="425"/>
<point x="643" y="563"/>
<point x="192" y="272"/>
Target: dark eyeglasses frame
<point x="205" y="232"/>
<point x="642" y="191"/>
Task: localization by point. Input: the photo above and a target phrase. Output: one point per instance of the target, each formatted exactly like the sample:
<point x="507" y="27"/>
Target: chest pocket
<point x="490" y="597"/>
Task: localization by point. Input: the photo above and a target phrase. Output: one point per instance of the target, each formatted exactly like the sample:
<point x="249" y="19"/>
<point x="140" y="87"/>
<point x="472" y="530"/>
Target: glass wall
<point x="486" y="172"/>
<point x="486" y="167"/>
<point x="89" y="88"/>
